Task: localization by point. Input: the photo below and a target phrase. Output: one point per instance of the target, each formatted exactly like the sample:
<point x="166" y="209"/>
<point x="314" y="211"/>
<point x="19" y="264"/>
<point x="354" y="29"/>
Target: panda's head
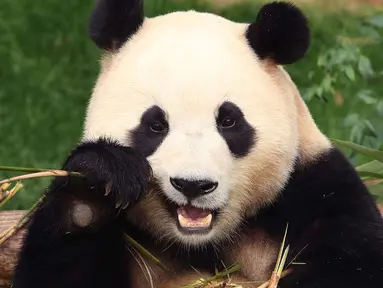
<point x="206" y="101"/>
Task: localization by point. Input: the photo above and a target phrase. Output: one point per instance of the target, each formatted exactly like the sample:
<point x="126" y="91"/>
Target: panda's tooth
<point x="208" y="219"/>
<point x="182" y="220"/>
<point x="202" y="222"/>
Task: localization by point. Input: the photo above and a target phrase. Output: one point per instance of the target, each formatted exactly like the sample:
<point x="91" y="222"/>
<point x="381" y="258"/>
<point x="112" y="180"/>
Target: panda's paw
<point x="117" y="175"/>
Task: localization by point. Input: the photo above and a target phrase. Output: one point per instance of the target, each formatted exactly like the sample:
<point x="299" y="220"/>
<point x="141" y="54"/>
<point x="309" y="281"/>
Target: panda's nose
<point x="193" y="188"/>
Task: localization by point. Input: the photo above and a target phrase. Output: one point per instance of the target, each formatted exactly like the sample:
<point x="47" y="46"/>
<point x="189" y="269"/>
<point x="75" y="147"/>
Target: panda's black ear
<point x="112" y="22"/>
<point x="280" y="32"/>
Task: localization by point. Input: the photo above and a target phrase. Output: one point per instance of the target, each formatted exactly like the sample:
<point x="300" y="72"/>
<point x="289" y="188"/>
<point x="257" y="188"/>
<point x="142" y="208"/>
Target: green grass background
<point x="48" y="66"/>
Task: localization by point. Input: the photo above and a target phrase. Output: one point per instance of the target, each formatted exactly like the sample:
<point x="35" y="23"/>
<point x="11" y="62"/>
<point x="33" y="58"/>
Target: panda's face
<point x="219" y="133"/>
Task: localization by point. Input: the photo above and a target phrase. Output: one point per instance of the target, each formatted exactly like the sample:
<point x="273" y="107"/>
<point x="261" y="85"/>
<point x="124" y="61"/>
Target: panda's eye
<point x="228" y="122"/>
<point x="158" y="127"/>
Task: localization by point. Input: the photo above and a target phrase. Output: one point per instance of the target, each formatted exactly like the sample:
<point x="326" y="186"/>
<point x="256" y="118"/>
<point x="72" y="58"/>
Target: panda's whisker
<point x="168" y="246"/>
<point x="133" y="252"/>
<point x="142" y="264"/>
<point x="148" y="268"/>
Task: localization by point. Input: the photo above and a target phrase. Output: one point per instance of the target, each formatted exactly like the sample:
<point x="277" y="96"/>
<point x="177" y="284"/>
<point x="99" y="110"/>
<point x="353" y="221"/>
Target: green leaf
<point x="365" y="96"/>
<point x="364" y="66"/>
<point x="370" y="32"/>
<point x="311" y="75"/>
<point x="321" y="60"/>
<point x="352" y="119"/>
<point x="377" y="190"/>
<point x="373" y="166"/>
<point x="326" y="83"/>
<point x="356" y="135"/>
<point x="350" y="73"/>
<point x="369" y="129"/>
<point x="376" y="21"/>
<point x="309" y="93"/>
<point x="379" y="107"/>
<point x="319" y="91"/>
<point x="378" y="155"/>
<point x="370" y="174"/>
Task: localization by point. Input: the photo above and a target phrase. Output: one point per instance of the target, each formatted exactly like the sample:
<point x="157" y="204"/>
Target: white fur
<point x="188" y="63"/>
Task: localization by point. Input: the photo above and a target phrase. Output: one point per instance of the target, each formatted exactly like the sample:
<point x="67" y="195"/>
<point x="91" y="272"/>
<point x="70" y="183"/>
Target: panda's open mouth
<point x="193" y="219"/>
<point x="189" y="218"/>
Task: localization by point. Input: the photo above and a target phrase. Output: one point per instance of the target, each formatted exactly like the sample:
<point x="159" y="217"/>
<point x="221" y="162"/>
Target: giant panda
<point x="198" y="145"/>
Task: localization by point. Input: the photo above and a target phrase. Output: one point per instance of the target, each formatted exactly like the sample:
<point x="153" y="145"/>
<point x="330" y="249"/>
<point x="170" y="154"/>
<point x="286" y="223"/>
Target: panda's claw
<point x="120" y="173"/>
<point x="126" y="205"/>
<point x="118" y="203"/>
<point x="108" y="188"/>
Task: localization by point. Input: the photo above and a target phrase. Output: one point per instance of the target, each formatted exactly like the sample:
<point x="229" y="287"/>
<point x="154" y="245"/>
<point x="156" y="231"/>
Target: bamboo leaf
<point x="373" y="166"/>
<point x="376" y="21"/>
<point x="22" y="169"/>
<point x="367" y="96"/>
<point x="283" y="261"/>
<point x="370" y="174"/>
<point x="377" y="154"/>
<point x="350" y="73"/>
<point x="365" y="67"/>
<point x="377" y="190"/>
<point x="281" y="249"/>
<point x="202" y="282"/>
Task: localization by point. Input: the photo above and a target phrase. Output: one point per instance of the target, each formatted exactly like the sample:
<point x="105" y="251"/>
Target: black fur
<point x="241" y="137"/>
<point x="143" y="138"/>
<point x="329" y="209"/>
<point x="112" y="22"/>
<point x="59" y="254"/>
<point x="280" y="32"/>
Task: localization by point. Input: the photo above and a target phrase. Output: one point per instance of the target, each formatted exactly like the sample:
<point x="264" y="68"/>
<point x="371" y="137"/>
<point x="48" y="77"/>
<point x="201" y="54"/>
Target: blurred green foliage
<point x="48" y="67"/>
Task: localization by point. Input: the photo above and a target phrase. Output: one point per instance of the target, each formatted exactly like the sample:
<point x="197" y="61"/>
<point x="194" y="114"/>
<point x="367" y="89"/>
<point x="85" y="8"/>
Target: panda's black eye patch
<point x="233" y="127"/>
<point x="151" y="131"/>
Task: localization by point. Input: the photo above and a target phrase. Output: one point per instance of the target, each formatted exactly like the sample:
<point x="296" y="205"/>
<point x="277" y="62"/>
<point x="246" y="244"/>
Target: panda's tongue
<point x="190" y="217"/>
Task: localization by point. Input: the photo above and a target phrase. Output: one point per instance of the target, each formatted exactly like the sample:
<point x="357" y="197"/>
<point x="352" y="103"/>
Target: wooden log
<point x="9" y="249"/>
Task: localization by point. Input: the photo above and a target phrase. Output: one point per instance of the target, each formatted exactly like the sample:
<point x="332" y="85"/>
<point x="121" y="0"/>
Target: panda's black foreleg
<point x="75" y="238"/>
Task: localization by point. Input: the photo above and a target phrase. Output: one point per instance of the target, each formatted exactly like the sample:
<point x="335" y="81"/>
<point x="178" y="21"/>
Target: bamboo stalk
<point x="283" y="274"/>
<point x="22" y="169"/>
<point x="48" y="173"/>
<point x="275" y="275"/>
<point x="7" y="195"/>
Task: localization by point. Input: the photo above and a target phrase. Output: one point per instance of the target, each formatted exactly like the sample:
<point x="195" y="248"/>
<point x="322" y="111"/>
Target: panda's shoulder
<point x="328" y="188"/>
